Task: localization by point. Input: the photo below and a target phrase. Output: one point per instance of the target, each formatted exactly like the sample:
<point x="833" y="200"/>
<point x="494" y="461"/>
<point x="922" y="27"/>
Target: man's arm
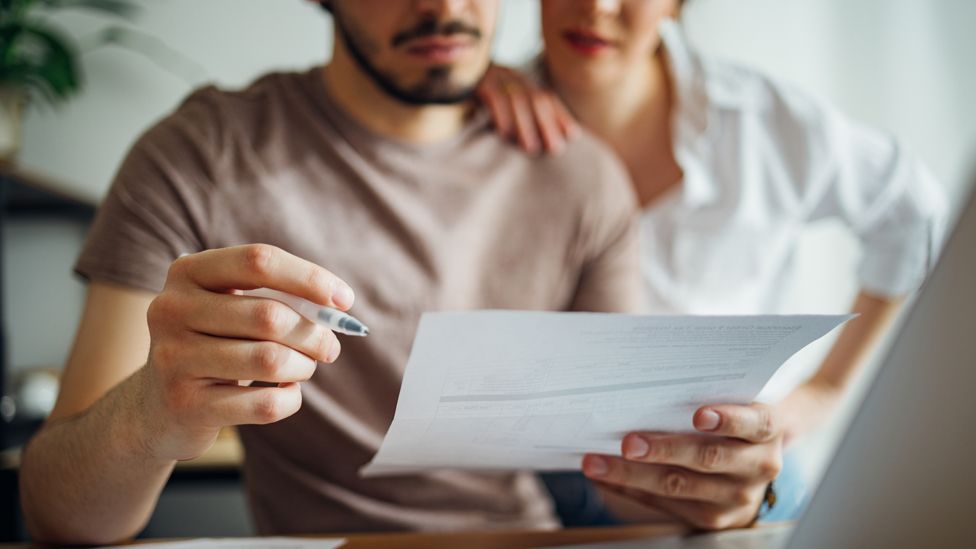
<point x="610" y="278"/>
<point x="66" y="466"/>
<point x="93" y="473"/>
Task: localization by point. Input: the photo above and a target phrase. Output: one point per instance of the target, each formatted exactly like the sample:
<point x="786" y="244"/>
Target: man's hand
<point x="806" y="408"/>
<point x="711" y="481"/>
<point x="206" y="339"/>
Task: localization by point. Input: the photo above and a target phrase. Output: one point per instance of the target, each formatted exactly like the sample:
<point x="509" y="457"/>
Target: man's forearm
<point x="90" y="478"/>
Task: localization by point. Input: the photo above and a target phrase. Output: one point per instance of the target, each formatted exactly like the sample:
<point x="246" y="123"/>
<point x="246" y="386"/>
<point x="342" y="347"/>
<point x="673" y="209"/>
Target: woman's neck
<point x="633" y="116"/>
<point x="641" y="97"/>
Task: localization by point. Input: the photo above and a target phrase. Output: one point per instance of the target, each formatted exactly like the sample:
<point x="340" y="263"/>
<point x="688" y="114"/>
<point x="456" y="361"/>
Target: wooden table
<point x="506" y="540"/>
<point x="480" y="540"/>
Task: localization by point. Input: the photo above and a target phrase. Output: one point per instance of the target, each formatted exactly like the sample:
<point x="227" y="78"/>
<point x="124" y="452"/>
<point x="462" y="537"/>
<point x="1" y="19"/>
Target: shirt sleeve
<point x="610" y="280"/>
<point x="157" y="206"/>
<point x="884" y="194"/>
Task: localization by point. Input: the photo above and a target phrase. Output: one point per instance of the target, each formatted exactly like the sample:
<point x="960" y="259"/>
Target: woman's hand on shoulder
<point x="525" y="112"/>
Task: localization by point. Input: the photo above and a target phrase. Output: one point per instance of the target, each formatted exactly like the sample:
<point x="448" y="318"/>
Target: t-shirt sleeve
<point x="610" y="279"/>
<point x="157" y="206"/>
<point x="889" y="199"/>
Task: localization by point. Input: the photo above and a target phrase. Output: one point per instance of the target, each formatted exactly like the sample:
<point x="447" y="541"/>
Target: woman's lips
<point x="587" y="42"/>
<point x="438" y="49"/>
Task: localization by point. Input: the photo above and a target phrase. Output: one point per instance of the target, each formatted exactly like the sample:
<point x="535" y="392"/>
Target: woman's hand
<point x="526" y="113"/>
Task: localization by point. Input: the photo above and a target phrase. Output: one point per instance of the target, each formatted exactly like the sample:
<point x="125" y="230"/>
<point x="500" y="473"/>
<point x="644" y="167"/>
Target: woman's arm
<point x="811" y="403"/>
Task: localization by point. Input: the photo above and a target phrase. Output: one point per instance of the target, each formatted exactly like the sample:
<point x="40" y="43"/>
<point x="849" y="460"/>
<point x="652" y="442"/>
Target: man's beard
<point x="436" y="88"/>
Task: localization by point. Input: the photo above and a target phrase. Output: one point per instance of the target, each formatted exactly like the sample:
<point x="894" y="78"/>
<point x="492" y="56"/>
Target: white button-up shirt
<point x="761" y="161"/>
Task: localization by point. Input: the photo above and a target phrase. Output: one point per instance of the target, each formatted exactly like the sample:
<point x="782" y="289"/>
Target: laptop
<point x="904" y="477"/>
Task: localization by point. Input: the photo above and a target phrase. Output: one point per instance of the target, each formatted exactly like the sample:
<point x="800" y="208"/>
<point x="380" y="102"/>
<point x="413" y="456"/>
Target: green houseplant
<point x="39" y="62"/>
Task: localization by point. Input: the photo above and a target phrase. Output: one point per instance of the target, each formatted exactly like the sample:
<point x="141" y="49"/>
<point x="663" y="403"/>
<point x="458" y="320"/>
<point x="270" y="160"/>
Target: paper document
<point x="499" y="390"/>
<point x="247" y="543"/>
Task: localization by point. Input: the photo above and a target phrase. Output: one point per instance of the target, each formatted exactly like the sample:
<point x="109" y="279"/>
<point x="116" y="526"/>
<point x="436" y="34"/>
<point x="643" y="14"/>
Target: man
<point x="378" y="167"/>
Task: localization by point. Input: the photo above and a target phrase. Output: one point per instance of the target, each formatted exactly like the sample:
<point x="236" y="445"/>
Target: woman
<point x="728" y="167"/>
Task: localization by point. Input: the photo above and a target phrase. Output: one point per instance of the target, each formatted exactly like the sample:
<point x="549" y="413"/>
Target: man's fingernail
<point x="636" y="447"/>
<point x="343" y="295"/>
<point x="596" y="467"/>
<point x="709" y="420"/>
<point x="334" y="352"/>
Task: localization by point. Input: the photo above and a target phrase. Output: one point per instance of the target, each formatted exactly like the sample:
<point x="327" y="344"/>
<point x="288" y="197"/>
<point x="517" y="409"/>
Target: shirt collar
<point x="688" y="76"/>
<point x="694" y="112"/>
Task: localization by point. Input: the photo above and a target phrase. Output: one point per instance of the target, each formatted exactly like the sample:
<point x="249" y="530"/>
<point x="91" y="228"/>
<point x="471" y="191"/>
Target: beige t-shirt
<point x="468" y="223"/>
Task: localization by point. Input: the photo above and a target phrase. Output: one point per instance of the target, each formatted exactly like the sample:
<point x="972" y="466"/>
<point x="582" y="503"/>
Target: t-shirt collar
<point x="478" y="121"/>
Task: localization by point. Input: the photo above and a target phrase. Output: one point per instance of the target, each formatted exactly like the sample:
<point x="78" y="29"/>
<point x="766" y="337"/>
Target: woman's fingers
<point x="531" y="115"/>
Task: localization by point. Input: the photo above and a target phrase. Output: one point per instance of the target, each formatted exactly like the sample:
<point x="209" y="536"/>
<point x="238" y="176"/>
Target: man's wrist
<point x="127" y="412"/>
<point x="806" y="407"/>
<point x="766" y="505"/>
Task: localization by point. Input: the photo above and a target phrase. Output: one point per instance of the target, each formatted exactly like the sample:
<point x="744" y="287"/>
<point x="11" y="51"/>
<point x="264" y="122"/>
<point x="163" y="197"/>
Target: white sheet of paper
<point x="247" y="543"/>
<point x="502" y="390"/>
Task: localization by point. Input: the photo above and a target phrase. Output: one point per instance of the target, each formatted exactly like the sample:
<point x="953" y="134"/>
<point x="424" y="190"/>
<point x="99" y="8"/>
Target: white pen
<point x="334" y="319"/>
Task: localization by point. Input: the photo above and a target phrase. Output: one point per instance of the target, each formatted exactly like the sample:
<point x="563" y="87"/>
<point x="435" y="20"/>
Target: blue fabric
<point x="792" y="492"/>
<point x="578" y="502"/>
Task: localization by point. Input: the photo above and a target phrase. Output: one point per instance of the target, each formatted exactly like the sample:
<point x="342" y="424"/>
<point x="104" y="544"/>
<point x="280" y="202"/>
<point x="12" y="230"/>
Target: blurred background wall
<point x="901" y="65"/>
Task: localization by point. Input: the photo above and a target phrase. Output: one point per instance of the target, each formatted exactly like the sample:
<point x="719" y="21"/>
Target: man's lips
<point x="587" y="42"/>
<point x="438" y="49"/>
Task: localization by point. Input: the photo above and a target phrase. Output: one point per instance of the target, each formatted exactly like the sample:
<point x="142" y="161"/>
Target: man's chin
<point x="446" y="98"/>
<point x="431" y="93"/>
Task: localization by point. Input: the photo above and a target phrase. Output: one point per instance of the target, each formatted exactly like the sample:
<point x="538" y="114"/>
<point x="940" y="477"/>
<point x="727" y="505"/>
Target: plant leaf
<point x="57" y="67"/>
<point x="42" y="60"/>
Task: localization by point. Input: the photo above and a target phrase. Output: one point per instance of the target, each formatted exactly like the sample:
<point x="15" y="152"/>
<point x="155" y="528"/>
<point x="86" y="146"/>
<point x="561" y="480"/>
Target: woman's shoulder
<point x="799" y="130"/>
<point x="791" y="131"/>
<point x="739" y="108"/>
<point x="743" y="91"/>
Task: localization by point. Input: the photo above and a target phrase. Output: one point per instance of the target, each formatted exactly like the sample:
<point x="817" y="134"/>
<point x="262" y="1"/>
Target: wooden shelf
<point x="27" y="193"/>
<point x="226" y="453"/>
<point x="45" y="184"/>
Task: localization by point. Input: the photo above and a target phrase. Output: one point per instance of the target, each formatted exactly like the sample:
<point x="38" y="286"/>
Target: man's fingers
<point x="262" y="266"/>
<point x="754" y="422"/>
<point x="258" y="319"/>
<point x="235" y="359"/>
<point x="667" y="481"/>
<point x="699" y="514"/>
<point x="234" y="405"/>
<point x="704" y="453"/>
